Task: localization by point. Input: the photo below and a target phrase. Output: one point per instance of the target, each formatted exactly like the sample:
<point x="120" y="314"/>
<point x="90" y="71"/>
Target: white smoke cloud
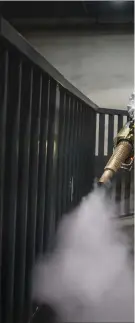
<point x="88" y="278"/>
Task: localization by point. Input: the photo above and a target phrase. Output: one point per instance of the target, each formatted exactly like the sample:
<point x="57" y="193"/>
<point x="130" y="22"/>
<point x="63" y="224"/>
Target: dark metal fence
<point x="47" y="162"/>
<point x="47" y="134"/>
<point x="108" y="123"/>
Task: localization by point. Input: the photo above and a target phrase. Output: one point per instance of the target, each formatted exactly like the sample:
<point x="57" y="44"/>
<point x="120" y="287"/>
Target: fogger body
<point x="123" y="154"/>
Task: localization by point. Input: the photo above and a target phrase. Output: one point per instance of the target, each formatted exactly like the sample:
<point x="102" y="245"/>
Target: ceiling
<point x="94" y="12"/>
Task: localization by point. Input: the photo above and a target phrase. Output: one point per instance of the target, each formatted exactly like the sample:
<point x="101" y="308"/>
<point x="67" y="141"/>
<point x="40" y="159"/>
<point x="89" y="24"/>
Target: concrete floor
<point x="100" y="65"/>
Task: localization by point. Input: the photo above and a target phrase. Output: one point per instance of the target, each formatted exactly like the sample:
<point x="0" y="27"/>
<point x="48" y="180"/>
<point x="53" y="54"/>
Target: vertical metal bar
<point x="101" y="134"/>
<point x="67" y="180"/>
<point x="106" y="135"/>
<point x="120" y="122"/>
<point x="46" y="158"/>
<point x="87" y="151"/>
<point x="127" y="179"/>
<point x="62" y="153"/>
<point x="87" y="144"/>
<point x="73" y="153"/>
<point x="101" y="159"/>
<point x="60" y="179"/>
<point x="52" y="163"/>
<point x="83" y="150"/>
<point x="76" y="152"/>
<point x="110" y="145"/>
<point x="119" y="175"/>
<point x="69" y="156"/>
<point x="65" y="191"/>
<point x="3" y="112"/>
<point x="97" y="135"/>
<point x="115" y="131"/>
<point x="33" y="181"/>
<point x="110" y="134"/>
<point x="92" y="137"/>
<point x="80" y="152"/>
<point x="65" y="150"/>
<point x="42" y="164"/>
<point x="52" y="224"/>
<point x="23" y="181"/>
<point x="90" y="144"/>
<point x="11" y="181"/>
<point x="80" y="162"/>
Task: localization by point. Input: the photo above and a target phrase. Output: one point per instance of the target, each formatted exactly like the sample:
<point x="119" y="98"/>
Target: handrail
<point x="112" y="111"/>
<point x="16" y="39"/>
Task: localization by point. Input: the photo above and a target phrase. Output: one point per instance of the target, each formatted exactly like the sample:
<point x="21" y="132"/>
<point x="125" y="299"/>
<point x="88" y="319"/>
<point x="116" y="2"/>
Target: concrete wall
<point x="100" y="65"/>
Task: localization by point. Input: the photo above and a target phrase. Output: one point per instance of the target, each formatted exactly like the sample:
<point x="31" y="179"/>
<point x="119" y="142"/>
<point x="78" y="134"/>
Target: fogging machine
<point x="123" y="154"/>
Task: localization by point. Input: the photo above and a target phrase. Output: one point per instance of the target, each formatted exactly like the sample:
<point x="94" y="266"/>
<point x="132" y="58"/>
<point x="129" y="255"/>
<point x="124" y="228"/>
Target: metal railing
<point x="47" y="162"/>
<point x="108" y="124"/>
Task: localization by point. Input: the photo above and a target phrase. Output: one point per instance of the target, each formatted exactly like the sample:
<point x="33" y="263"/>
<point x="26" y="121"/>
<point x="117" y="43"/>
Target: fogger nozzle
<point x="120" y="154"/>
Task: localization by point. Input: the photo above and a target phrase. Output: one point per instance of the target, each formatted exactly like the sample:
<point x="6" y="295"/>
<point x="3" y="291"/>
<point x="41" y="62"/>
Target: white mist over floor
<point x="88" y="278"/>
